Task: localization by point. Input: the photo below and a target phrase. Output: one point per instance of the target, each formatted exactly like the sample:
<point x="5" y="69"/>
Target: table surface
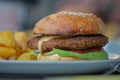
<point x="75" y="77"/>
<point x="97" y="76"/>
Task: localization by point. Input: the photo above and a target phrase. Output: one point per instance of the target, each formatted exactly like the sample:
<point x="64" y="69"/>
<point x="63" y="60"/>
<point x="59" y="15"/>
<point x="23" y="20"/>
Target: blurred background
<point x="23" y="14"/>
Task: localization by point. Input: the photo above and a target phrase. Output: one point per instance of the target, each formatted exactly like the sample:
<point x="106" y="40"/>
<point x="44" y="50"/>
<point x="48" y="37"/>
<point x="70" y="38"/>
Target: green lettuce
<point x="90" y="55"/>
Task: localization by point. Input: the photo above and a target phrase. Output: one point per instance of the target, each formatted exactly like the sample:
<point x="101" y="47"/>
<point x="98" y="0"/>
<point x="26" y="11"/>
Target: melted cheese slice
<point x="45" y="39"/>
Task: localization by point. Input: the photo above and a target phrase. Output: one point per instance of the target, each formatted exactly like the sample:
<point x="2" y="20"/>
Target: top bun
<point x="69" y="23"/>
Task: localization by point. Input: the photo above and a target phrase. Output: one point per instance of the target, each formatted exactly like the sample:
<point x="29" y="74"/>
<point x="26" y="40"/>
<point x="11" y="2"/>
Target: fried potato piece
<point x="1" y="58"/>
<point x="28" y="50"/>
<point x="27" y="56"/>
<point x="7" y="39"/>
<point x="21" y="45"/>
<point x="14" y="46"/>
<point x="6" y="52"/>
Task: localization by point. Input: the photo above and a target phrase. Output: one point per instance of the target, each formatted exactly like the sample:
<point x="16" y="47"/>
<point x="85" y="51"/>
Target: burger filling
<point x="71" y="46"/>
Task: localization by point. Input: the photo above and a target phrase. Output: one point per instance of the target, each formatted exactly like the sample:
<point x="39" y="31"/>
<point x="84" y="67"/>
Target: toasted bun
<point x="57" y="58"/>
<point x="69" y="23"/>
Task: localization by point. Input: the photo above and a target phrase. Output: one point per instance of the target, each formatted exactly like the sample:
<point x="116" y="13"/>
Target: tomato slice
<point x="84" y="51"/>
<point x="88" y="50"/>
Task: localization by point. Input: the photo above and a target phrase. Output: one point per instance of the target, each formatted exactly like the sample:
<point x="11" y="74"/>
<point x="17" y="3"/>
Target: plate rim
<point x="43" y="61"/>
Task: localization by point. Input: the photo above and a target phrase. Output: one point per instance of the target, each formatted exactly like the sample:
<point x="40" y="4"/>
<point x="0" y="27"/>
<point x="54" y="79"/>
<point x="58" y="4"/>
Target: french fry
<point x="7" y="39"/>
<point x="28" y="50"/>
<point x="6" y="52"/>
<point x="14" y="46"/>
<point x="27" y="56"/>
<point x="20" y="39"/>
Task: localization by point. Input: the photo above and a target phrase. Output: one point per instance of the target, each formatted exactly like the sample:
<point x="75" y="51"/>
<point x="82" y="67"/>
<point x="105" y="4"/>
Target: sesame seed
<point x="76" y="13"/>
<point x="81" y="30"/>
<point x="91" y="20"/>
<point x="88" y="19"/>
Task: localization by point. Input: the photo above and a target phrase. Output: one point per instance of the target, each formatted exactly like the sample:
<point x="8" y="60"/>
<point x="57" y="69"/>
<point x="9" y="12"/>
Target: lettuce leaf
<point x="90" y="56"/>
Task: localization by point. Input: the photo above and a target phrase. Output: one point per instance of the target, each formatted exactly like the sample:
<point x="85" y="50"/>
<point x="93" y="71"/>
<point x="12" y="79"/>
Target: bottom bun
<point x="56" y="57"/>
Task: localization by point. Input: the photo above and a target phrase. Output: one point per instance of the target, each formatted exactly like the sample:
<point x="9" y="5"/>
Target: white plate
<point x="55" y="67"/>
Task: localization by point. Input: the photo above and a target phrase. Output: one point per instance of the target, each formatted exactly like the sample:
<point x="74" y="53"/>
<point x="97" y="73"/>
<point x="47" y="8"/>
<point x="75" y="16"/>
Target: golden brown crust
<point x="56" y="57"/>
<point x="69" y="23"/>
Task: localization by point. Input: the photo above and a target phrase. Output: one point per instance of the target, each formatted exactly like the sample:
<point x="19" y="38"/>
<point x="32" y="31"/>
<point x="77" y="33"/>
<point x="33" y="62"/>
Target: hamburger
<point x="69" y="36"/>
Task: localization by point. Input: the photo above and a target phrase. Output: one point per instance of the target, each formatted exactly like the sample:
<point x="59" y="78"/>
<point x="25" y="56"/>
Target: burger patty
<point x="75" y="43"/>
<point x="33" y="42"/>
